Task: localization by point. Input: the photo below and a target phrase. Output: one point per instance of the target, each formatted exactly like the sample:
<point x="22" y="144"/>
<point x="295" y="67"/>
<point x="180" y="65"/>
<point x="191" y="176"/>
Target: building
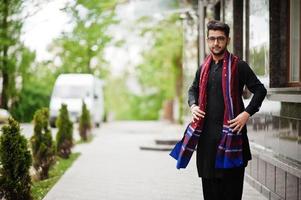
<point x="266" y="33"/>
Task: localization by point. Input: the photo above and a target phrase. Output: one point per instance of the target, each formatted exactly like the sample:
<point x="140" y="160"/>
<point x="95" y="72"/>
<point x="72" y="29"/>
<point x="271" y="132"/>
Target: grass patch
<point x="40" y="188"/>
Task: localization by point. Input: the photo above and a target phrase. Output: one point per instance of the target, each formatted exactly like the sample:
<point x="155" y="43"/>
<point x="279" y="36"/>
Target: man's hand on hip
<point x="196" y="112"/>
<point x="239" y="122"/>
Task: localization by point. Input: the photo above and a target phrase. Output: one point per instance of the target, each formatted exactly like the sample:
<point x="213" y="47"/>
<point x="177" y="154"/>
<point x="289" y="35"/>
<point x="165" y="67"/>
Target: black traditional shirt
<point x="209" y="139"/>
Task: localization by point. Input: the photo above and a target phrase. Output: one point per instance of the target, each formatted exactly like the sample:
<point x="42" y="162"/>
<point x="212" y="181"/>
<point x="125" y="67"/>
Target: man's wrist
<point x="192" y="106"/>
<point x="248" y="114"/>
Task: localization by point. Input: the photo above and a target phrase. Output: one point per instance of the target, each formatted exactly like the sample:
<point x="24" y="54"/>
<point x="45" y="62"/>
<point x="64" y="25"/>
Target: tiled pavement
<point x="113" y="167"/>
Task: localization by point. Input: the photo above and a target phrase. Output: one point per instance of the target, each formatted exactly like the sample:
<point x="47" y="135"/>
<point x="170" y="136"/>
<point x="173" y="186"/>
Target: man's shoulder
<point x="242" y="64"/>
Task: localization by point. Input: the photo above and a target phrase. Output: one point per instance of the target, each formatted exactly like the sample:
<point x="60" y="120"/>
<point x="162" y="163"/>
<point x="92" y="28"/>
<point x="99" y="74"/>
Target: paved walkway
<point x="113" y="167"/>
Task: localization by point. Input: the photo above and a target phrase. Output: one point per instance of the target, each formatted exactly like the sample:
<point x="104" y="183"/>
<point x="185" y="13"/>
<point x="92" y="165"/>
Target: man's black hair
<point x="218" y="25"/>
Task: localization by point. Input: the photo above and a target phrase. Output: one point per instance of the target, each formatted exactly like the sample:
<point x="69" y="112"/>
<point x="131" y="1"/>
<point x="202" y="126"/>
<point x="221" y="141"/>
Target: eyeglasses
<point x="219" y="39"/>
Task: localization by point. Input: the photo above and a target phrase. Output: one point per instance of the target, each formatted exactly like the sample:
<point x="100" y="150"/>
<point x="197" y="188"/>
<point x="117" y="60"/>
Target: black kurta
<point x="209" y="139"/>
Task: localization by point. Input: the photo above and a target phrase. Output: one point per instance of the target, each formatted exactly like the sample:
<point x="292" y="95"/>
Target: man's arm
<point x="193" y="97"/>
<point x="257" y="88"/>
<point x="193" y="92"/>
<point x="254" y="85"/>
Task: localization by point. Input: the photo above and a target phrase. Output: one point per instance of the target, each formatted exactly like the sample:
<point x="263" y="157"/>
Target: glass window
<point x="71" y="91"/>
<point x="295" y="41"/>
<point x="258" y="53"/>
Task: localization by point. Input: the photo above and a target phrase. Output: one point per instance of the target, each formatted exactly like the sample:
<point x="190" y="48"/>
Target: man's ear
<point x="228" y="40"/>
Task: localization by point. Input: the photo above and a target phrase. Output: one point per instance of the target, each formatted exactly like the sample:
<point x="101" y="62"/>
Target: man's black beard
<point x="220" y="53"/>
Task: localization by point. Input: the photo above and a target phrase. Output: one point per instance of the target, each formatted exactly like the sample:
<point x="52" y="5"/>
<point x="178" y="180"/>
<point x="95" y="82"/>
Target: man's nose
<point x="215" y="42"/>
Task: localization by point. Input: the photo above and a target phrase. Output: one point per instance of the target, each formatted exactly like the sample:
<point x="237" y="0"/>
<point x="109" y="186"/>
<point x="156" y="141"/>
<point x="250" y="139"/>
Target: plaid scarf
<point x="229" y="150"/>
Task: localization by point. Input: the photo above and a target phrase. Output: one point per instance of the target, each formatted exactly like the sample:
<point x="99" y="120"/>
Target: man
<point x="219" y="118"/>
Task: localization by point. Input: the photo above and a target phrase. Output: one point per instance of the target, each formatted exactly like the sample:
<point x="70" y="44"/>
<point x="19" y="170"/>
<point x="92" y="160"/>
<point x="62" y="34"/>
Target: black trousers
<point x="229" y="187"/>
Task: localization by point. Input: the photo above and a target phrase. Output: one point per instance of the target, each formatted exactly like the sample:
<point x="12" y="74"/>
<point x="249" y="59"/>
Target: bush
<point x="43" y="149"/>
<point x="84" y="123"/>
<point x="15" y="162"/>
<point x="35" y="94"/>
<point x="64" y="134"/>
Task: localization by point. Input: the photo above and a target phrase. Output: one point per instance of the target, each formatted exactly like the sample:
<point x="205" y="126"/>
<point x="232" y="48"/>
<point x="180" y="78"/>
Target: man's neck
<point x="217" y="58"/>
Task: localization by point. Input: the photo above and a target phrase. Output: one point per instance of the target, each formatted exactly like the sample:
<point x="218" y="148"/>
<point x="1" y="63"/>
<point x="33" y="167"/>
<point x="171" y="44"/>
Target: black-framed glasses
<point x="219" y="39"/>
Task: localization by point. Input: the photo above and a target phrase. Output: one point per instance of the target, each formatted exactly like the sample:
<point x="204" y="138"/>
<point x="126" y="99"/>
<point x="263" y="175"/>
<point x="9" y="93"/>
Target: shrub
<point x="64" y="134"/>
<point x="43" y="149"/>
<point x="35" y="93"/>
<point x="84" y="123"/>
<point x="15" y="159"/>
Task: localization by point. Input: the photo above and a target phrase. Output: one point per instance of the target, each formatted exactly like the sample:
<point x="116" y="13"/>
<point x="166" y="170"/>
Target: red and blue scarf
<point x="229" y="151"/>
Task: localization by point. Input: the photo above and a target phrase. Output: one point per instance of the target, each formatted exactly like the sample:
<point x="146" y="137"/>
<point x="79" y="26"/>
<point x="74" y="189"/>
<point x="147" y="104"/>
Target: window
<point x="294" y="72"/>
<point x="258" y="42"/>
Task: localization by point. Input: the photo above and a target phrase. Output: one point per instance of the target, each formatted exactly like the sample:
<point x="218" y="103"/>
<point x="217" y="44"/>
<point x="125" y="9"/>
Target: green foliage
<point x="40" y="188"/>
<point x="162" y="62"/>
<point x="64" y="137"/>
<point x="15" y="159"/>
<point x="147" y="106"/>
<point x="11" y="49"/>
<point x="258" y="60"/>
<point x="128" y="106"/>
<point x="43" y="149"/>
<point x="161" y="69"/>
<point x="80" y="50"/>
<point x="84" y="123"/>
<point x="34" y="95"/>
<point x="157" y="75"/>
<point x="88" y="39"/>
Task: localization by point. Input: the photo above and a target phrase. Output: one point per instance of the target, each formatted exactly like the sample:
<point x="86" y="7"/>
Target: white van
<point x="72" y="90"/>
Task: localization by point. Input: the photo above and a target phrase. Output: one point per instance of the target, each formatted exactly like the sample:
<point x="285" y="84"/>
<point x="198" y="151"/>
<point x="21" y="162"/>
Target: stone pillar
<point x="279" y="43"/>
<point x="201" y="32"/>
<point x="238" y="28"/>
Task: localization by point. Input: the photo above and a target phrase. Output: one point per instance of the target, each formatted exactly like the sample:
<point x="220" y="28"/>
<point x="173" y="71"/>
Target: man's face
<point x="217" y="42"/>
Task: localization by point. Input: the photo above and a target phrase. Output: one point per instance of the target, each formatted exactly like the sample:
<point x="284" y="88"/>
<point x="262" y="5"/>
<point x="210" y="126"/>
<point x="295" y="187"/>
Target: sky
<point x="40" y="29"/>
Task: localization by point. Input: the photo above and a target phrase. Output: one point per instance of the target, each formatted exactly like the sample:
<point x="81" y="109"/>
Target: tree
<point x="37" y="83"/>
<point x="82" y="49"/>
<point x="84" y="122"/>
<point x="9" y="33"/>
<point x="159" y="75"/>
<point x="64" y="137"/>
<point x="43" y="149"/>
<point x="164" y="62"/>
<point x="14" y="56"/>
<point x="15" y="159"/>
